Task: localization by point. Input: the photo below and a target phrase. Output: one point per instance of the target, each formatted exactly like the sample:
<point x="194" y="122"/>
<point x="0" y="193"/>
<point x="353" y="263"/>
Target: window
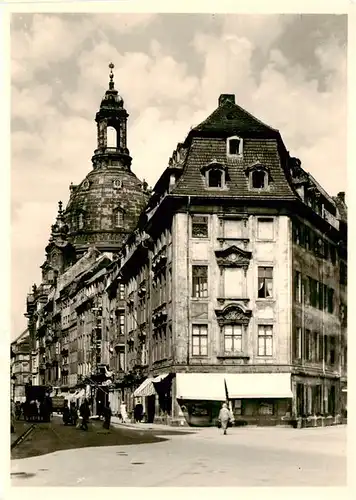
<point x="215" y="178"/>
<point x="122" y="323"/>
<point x="265" y="282"/>
<point x="234" y="146"/>
<point x="343" y="273"/>
<point x="312" y="292"/>
<point x="330" y="300"/>
<point x="200" y="281"/>
<point x="265" y="408"/>
<point x="320" y="295"/>
<point x="265" y="229"/>
<point x="315" y="354"/>
<point x="233" y="228"/>
<point x="233" y="282"/>
<point x="332" y="251"/>
<point x="307" y="238"/>
<point x="265" y="340"/>
<point x="200" y="340"/>
<point x="111" y="137"/>
<point x="117" y="183"/>
<point x="80" y="221"/>
<point x="320" y="348"/>
<point x="332" y="349"/>
<point x="298" y="343"/>
<point x="200" y="227"/>
<point x="119" y="218"/>
<point x="121" y="291"/>
<point x="232" y="338"/>
<point x="298" y="287"/>
<point x="308" y="345"/>
<point x="258" y="179"/>
<point x="296" y="233"/>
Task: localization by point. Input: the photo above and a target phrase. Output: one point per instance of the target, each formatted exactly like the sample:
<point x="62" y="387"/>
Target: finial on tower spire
<point x="111" y="83"/>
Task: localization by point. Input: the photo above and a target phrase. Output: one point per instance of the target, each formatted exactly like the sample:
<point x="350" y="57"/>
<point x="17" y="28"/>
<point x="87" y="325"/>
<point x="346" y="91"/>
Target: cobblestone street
<point x="245" y="457"/>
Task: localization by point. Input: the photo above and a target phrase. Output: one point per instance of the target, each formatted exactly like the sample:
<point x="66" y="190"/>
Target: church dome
<point x="104" y="208"/>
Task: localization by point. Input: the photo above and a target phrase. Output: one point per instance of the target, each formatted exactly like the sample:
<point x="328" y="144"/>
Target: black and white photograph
<point x="179" y="259"/>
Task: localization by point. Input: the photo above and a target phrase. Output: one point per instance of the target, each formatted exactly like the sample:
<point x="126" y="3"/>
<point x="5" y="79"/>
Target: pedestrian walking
<point x="85" y="414"/>
<point x="224" y="417"/>
<point x="107" y="416"/>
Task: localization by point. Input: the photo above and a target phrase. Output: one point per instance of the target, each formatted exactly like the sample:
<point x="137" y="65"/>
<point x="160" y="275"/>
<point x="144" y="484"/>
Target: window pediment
<point x="233" y="314"/>
<point x="213" y="165"/>
<point x="233" y="257"/>
<point x="259" y="176"/>
<point x="257" y="166"/>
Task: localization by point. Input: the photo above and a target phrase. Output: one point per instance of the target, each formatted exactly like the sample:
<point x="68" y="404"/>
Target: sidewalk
<point x="155" y="427"/>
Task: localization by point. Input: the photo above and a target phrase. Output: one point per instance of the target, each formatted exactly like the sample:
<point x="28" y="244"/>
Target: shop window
<point x="265" y="340"/>
<point x="300" y="399"/>
<point x="200" y="227"/>
<point x="232" y="338"/>
<point x="200" y="340"/>
<point x="200" y="281"/>
<point x="266" y="408"/>
<point x="234" y="146"/>
<point x="265" y="282"/>
<point x="265" y="229"/>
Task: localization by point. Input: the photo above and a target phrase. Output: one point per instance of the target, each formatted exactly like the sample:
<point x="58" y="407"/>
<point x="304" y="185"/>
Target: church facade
<point x="227" y="282"/>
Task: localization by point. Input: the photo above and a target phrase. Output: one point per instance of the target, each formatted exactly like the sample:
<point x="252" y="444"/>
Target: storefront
<point x="254" y="398"/>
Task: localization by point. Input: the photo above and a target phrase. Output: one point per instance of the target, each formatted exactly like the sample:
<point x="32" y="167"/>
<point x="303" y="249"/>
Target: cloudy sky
<point x="288" y="70"/>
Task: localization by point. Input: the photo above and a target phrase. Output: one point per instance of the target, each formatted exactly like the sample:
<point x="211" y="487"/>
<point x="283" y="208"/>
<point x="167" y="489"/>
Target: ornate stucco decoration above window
<point x="215" y="175"/>
<point x="233" y="314"/>
<point x="259" y="176"/>
<point x="233" y="257"/>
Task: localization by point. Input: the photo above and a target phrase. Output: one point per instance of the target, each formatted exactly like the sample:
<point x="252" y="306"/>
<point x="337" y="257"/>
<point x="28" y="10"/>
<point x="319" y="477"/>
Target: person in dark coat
<point x="66" y="413"/>
<point x="138" y="413"/>
<point x="85" y="414"/>
<point x="73" y="414"/>
<point x="107" y="416"/>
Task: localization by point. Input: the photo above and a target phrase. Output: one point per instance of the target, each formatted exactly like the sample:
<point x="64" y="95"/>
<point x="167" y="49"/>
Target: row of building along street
<point x="225" y="282"/>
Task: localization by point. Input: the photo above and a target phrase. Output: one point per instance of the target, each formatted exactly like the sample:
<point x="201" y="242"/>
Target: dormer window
<point x="215" y="178"/>
<point x="86" y="184"/>
<point x="258" y="176"/>
<point x="234" y="146"/>
<point x="215" y="175"/>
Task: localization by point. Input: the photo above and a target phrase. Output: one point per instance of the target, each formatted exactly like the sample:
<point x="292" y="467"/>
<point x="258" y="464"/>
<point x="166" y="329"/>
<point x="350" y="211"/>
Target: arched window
<point x="119" y="218"/>
<point x="215" y="178"/>
<point x="111" y="137"/>
<point x="258" y="179"/>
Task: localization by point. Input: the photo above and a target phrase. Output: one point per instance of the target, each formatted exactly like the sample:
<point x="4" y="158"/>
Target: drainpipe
<point x="189" y="275"/>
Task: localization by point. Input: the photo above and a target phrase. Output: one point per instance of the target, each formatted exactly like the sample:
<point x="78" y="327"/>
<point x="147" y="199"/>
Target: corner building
<point x="235" y="282"/>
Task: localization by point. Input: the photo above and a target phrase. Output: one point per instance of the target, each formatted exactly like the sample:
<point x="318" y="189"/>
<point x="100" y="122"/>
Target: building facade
<point x="20" y="366"/>
<point x="227" y="282"/>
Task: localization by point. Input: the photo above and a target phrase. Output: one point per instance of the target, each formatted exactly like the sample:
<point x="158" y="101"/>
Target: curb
<point x="23" y="436"/>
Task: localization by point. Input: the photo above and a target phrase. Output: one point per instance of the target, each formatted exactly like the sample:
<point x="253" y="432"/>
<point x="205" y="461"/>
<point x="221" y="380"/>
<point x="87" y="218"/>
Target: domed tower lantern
<point x="111" y="122"/>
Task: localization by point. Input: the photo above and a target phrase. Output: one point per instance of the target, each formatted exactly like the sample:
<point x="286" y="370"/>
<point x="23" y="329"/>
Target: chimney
<point x="226" y="98"/>
<point x="341" y="196"/>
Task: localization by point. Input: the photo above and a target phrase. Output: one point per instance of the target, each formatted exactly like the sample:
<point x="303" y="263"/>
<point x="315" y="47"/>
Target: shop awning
<point x="201" y="386"/>
<point x="145" y="389"/>
<point x="258" y="385"/>
<point x="159" y="378"/>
